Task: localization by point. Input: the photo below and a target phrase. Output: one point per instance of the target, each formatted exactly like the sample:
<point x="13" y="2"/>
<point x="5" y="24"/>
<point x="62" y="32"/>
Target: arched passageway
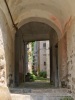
<point x="60" y="15"/>
<point x="36" y="31"/>
<point x="49" y="14"/>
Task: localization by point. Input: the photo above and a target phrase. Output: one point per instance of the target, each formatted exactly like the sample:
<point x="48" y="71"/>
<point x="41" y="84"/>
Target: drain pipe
<point x="10" y="15"/>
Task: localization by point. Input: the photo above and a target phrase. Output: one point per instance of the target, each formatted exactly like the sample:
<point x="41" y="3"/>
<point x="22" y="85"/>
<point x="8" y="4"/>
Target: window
<point x="44" y="63"/>
<point x="44" y="45"/>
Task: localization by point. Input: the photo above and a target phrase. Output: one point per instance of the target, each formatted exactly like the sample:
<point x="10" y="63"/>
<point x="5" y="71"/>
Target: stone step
<point x="38" y="96"/>
<point x="26" y="90"/>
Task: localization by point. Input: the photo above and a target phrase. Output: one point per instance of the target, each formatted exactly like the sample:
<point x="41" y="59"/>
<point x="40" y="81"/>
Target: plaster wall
<point x="6" y="49"/>
<point x="60" y="13"/>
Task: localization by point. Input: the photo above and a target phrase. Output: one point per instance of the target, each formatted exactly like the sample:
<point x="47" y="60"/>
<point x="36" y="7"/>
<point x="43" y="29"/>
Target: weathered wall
<point x="60" y="13"/>
<point x="63" y="60"/>
<point x="6" y="49"/>
<point x="48" y="58"/>
<point x="53" y="58"/>
<point x="71" y="55"/>
<point x="56" y="8"/>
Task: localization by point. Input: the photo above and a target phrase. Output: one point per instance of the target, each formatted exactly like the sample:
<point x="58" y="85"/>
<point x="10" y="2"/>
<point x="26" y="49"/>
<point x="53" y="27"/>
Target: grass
<point x="67" y="98"/>
<point x="40" y="78"/>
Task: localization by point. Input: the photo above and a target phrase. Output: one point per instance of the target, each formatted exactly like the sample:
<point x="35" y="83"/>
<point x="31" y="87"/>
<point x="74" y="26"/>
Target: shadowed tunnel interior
<point x="35" y="31"/>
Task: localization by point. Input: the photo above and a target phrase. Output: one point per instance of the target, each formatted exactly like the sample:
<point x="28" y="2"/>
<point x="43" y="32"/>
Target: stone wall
<point x="6" y="50"/>
<point x="54" y="11"/>
<point x="63" y="71"/>
<point x="71" y="56"/>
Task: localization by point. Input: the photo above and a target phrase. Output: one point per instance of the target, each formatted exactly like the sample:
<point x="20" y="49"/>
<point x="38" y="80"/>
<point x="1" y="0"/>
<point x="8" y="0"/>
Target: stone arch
<point x="18" y="36"/>
<point x="41" y="16"/>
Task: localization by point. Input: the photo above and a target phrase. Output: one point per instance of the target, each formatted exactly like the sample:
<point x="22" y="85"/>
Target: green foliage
<point x="40" y="78"/>
<point x="32" y="43"/>
<point x="67" y="98"/>
<point x="43" y="74"/>
<point x="32" y="77"/>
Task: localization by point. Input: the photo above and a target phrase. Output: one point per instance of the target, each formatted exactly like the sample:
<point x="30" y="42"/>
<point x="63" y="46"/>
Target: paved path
<point x="38" y="91"/>
<point x="37" y="85"/>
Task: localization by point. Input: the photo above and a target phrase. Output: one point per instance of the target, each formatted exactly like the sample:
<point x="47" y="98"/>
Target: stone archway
<point x="33" y="29"/>
<point x="49" y="19"/>
<point x="57" y="14"/>
<point x="46" y="17"/>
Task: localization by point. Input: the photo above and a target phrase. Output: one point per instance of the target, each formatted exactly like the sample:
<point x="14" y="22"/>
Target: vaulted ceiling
<point x="58" y="8"/>
<point x="58" y="12"/>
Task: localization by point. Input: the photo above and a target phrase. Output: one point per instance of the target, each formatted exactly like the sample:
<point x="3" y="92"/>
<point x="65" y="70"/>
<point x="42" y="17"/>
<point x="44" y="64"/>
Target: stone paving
<point x="37" y="84"/>
<point x="30" y="87"/>
<point x="36" y="96"/>
<point x="38" y="91"/>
